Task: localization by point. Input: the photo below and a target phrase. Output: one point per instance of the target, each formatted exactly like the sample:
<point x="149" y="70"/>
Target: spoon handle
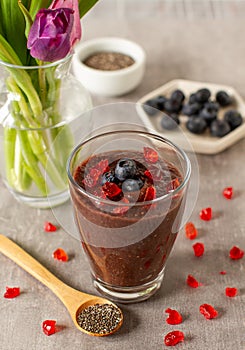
<point x="34" y="268"/>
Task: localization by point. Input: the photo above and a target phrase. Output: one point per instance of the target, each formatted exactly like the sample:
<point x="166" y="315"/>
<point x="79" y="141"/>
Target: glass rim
<point x="48" y="65"/>
<point x="119" y="204"/>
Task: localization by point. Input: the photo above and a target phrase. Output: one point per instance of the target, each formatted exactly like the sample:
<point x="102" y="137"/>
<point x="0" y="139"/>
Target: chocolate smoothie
<point x="125" y="212"/>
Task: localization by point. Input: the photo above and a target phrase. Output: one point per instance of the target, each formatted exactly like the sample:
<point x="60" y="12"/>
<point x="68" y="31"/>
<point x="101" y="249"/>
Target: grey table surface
<point x="205" y="50"/>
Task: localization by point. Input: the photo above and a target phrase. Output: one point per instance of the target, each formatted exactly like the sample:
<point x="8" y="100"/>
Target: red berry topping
<point x="12" y="292"/>
<point x="148" y="174"/>
<point x="208" y="311"/>
<point x="60" y="254"/>
<point x="190" y="230"/>
<point x="49" y="227"/>
<point x="230" y="292"/>
<point x="111" y="190"/>
<point x="206" y="214"/>
<point x="49" y="327"/>
<point x="228" y="192"/>
<point x="192" y="282"/>
<point x="95" y="172"/>
<point x="222" y="272"/>
<point x="102" y="166"/>
<point x="236" y="253"/>
<point x="150" y="155"/>
<point x="174" y="316"/>
<point x="198" y="249"/>
<point x="173" y="338"/>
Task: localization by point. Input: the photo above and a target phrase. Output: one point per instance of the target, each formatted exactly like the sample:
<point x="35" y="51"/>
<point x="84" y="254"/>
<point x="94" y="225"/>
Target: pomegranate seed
<point x="230" y="292"/>
<point x="222" y="272"/>
<point x="49" y="227"/>
<point x="206" y="214"/>
<point x="236" y="253"/>
<point x="150" y="194"/>
<point x="192" y="282"/>
<point x="102" y="166"/>
<point x="89" y="181"/>
<point x="12" y="292"/>
<point x="49" y="327"/>
<point x="148" y="174"/>
<point x="150" y="155"/>
<point x="174" y="316"/>
<point x="198" y="249"/>
<point x="228" y="192"/>
<point x="60" y="255"/>
<point x="111" y="190"/>
<point x="208" y="311"/>
<point x="190" y="230"/>
<point x="173" y="338"/>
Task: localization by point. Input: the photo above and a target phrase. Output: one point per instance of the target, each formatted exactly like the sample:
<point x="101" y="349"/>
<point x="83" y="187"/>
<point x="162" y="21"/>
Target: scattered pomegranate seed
<point x="173" y="338"/>
<point x="49" y="227"/>
<point x="49" y="327"/>
<point x="198" y="249"/>
<point x="111" y="190"/>
<point x="206" y="214"/>
<point x="150" y="155"/>
<point x="174" y="316"/>
<point x="208" y="311"/>
<point x="228" y="192"/>
<point x="192" y="282"/>
<point x="12" y="292"/>
<point x="222" y="272"/>
<point x="231" y="292"/>
<point x="190" y="230"/>
<point x="60" y="254"/>
<point x="236" y="253"/>
<point x="150" y="194"/>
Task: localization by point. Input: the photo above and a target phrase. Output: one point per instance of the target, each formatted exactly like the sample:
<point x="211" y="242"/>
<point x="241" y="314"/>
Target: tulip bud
<point x="55" y="31"/>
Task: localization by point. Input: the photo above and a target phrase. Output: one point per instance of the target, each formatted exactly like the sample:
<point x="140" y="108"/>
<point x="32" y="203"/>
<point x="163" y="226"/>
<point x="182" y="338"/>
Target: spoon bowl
<point x="74" y="300"/>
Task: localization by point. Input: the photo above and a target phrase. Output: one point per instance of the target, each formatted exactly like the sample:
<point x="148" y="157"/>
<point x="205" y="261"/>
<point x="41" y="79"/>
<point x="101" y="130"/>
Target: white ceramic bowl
<point x="109" y="83"/>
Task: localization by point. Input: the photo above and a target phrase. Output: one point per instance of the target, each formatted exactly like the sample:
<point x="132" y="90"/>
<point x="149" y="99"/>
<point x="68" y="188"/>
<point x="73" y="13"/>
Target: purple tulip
<point x="54" y="31"/>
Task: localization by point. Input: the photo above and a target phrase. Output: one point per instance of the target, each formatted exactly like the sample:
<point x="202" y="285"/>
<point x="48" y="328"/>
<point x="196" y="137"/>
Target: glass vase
<point x="37" y="107"/>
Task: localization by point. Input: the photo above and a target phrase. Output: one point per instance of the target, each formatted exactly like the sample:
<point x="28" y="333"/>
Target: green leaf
<point x="27" y="16"/>
<point x="85" y="6"/>
<point x="13" y="27"/>
<point x="36" y="5"/>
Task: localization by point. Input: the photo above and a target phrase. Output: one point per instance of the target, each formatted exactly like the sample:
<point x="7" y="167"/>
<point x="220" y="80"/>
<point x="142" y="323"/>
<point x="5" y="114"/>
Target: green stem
<point x="9" y="154"/>
<point x="42" y="85"/>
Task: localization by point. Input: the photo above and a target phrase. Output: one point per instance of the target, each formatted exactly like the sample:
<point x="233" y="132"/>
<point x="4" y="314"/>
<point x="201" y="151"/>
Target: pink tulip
<point x="55" y="31"/>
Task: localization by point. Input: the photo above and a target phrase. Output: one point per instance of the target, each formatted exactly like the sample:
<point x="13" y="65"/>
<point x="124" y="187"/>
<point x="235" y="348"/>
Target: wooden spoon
<point x="74" y="300"/>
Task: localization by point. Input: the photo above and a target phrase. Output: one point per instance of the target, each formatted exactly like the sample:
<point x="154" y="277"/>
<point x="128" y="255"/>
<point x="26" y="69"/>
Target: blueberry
<point x="109" y="177"/>
<point x="192" y="99"/>
<point x="233" y="118"/>
<point x="191" y="109"/>
<point x="208" y="114"/>
<point x="125" y="169"/>
<point x="131" y="185"/>
<point x="178" y="96"/>
<point x="212" y="106"/>
<point x="219" y="128"/>
<point x="150" y="107"/>
<point x="172" y="106"/>
<point x="160" y="101"/>
<point x="170" y="122"/>
<point x="223" y="98"/>
<point x="203" y="95"/>
<point x="196" y="125"/>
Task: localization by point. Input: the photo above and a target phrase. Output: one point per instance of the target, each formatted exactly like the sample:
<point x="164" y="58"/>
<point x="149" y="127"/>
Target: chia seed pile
<point x="108" y="61"/>
<point x="100" y="318"/>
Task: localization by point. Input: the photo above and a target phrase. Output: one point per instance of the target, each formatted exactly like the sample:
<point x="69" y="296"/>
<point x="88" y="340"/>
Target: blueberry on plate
<point x="219" y="128"/>
<point x="208" y="114"/>
<point x="196" y="125"/>
<point x="212" y="106"/>
<point x="223" y="98"/>
<point x="125" y="169"/>
<point x="172" y="106"/>
<point x="160" y="101"/>
<point x="170" y="122"/>
<point x="150" y="107"/>
<point x="192" y="99"/>
<point x="233" y="118"/>
<point x="191" y="109"/>
<point x="203" y="95"/>
<point x="178" y="96"/>
<point x="132" y="185"/>
<point x="109" y="177"/>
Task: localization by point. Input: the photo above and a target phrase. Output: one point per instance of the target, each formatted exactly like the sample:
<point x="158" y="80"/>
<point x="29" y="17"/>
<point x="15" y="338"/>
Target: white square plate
<point x="204" y="143"/>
